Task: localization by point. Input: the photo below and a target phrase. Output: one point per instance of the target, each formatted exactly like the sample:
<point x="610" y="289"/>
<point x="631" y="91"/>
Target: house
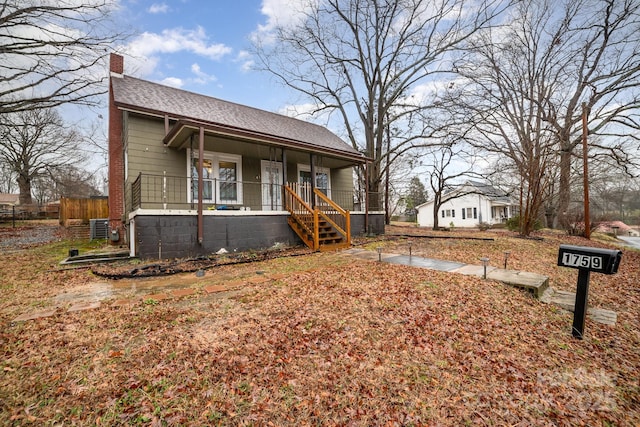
<point x="190" y="175"/>
<point x="9" y="200"/>
<point x="8" y="203"/>
<point x="473" y="203"/>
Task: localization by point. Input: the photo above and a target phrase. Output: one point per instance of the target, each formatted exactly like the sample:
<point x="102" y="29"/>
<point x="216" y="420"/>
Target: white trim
<point x="132" y="237"/>
<point x="264" y="185"/>
<point x="193" y="212"/>
<point x="302" y="167"/>
<point x="216" y="158"/>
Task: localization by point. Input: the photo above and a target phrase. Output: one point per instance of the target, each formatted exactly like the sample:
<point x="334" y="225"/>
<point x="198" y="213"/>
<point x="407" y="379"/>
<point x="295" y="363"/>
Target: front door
<point x="271" y="185"/>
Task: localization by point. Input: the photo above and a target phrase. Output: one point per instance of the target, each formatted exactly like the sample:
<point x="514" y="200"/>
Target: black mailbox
<point x="598" y="260"/>
<point x="586" y="260"/>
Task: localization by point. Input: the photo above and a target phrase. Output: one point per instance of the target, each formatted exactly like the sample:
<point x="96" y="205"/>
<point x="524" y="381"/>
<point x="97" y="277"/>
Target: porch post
<point x="366" y="198"/>
<point x="312" y="157"/>
<point x="284" y="176"/>
<point x="200" y="183"/>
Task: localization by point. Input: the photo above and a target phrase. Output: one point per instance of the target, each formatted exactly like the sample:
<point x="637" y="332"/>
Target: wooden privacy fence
<point x="84" y="209"/>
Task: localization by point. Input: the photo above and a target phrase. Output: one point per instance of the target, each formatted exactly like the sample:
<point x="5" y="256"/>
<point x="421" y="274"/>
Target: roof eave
<point x="219" y="129"/>
<point x="182" y="124"/>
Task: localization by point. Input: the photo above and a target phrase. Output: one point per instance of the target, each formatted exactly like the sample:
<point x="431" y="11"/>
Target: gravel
<point x="29" y="236"/>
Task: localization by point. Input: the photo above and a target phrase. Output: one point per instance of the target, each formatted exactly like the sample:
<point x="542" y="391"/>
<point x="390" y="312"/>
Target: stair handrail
<point x="342" y="212"/>
<point x="297" y="200"/>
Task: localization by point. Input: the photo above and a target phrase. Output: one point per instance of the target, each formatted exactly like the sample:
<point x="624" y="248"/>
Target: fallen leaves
<point x="334" y="341"/>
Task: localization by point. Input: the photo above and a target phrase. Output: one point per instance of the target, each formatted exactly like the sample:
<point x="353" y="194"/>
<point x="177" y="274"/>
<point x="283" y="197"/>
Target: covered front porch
<point x="162" y="226"/>
<point x="236" y="193"/>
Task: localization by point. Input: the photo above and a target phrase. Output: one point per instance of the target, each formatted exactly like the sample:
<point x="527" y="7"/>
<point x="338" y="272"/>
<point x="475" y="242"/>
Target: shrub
<point x="513" y="224"/>
<point x="484" y="226"/>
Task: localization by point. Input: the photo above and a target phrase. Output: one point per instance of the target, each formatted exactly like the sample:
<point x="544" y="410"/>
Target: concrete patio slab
<point x="473" y="270"/>
<point x="566" y="300"/>
<point x="430" y="263"/>
<point x="536" y="283"/>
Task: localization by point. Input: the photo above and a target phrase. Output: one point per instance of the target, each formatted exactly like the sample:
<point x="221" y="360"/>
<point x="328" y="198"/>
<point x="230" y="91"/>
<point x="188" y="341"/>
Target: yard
<point x="320" y="339"/>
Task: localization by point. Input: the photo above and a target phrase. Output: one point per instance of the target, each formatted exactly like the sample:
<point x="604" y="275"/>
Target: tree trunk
<point x="436" y="208"/>
<point x="564" y="187"/>
<point x="373" y="187"/>
<point x="24" y="184"/>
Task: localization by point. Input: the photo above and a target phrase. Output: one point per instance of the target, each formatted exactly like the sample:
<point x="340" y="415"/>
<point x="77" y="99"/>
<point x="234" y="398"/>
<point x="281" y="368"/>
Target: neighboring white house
<point x="477" y="203"/>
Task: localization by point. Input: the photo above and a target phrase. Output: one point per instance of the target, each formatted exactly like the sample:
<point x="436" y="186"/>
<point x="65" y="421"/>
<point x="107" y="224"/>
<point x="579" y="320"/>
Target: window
<point x="228" y="181"/>
<point x="221" y="175"/>
<point x="448" y="213"/>
<point x="323" y="181"/>
<point x="469" y="214"/>
<point x="207" y="182"/>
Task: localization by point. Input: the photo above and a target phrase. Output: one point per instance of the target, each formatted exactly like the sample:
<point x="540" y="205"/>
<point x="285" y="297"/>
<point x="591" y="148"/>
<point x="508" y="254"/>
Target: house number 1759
<point x="582" y="261"/>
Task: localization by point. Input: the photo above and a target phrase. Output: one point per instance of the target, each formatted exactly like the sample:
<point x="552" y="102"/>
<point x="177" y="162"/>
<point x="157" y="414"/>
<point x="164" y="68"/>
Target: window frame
<point x="216" y="158"/>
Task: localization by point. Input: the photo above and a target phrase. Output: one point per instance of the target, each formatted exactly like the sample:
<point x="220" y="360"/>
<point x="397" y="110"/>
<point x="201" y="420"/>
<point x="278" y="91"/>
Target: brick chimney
<point x="116" y="64"/>
<point x="116" y="155"/>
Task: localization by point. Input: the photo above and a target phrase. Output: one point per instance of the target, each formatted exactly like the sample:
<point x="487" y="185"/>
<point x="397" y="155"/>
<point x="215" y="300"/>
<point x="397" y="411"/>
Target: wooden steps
<point x="328" y="237"/>
<point x="318" y="230"/>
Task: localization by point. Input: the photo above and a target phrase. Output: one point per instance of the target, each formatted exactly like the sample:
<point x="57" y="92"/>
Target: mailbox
<point x="586" y="260"/>
<point x="598" y="260"/>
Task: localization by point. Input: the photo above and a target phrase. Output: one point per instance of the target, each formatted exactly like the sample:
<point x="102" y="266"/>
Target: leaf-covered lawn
<point x="336" y="341"/>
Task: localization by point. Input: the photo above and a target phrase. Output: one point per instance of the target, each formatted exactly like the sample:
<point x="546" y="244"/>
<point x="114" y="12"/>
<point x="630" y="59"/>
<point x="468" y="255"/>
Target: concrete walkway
<point x="537" y="284"/>
<point x="631" y="241"/>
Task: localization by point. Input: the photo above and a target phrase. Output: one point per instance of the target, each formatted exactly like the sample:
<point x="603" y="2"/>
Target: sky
<point x="203" y="46"/>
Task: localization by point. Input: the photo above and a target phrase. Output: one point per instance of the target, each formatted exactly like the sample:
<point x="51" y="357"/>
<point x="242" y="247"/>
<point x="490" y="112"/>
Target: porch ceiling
<point x="180" y="134"/>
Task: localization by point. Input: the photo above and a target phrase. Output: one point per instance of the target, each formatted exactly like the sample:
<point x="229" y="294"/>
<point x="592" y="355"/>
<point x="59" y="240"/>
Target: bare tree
<point x="50" y="52"/>
<point x="362" y="59"/>
<point x="69" y="181"/>
<point x="446" y="169"/>
<point x="35" y="142"/>
<point x="530" y="78"/>
<point x="7" y="179"/>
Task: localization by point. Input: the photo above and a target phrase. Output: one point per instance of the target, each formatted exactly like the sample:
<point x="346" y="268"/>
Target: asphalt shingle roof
<point x="153" y="97"/>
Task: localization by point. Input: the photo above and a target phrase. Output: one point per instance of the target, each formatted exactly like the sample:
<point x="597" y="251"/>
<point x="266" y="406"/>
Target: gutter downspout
<point x="200" y="184"/>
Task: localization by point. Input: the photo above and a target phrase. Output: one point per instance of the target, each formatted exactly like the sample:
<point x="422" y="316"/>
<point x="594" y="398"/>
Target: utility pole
<point x="585" y="132"/>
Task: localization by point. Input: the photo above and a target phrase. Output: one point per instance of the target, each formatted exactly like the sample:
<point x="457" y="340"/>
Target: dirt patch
<point x="171" y="267"/>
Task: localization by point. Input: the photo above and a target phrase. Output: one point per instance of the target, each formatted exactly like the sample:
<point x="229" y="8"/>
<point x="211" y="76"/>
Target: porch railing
<point x="336" y="216"/>
<point x="155" y="191"/>
<point x="303" y="220"/>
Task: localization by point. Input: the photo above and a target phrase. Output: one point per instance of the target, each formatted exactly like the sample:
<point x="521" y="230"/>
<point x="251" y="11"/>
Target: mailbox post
<point x="586" y="260"/>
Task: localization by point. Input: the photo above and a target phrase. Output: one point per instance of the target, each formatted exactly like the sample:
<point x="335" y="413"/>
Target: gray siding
<point x="147" y="154"/>
<point x="342" y="180"/>
<point x="164" y="170"/>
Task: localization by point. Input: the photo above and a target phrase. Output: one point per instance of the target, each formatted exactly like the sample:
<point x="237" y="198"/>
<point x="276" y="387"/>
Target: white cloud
<point x="173" y="82"/>
<point x="158" y="8"/>
<point x="246" y="61"/>
<point x="178" y="39"/>
<point x="281" y="13"/>
<point x="201" y="76"/>
<point x="143" y="52"/>
<point x="299" y="111"/>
